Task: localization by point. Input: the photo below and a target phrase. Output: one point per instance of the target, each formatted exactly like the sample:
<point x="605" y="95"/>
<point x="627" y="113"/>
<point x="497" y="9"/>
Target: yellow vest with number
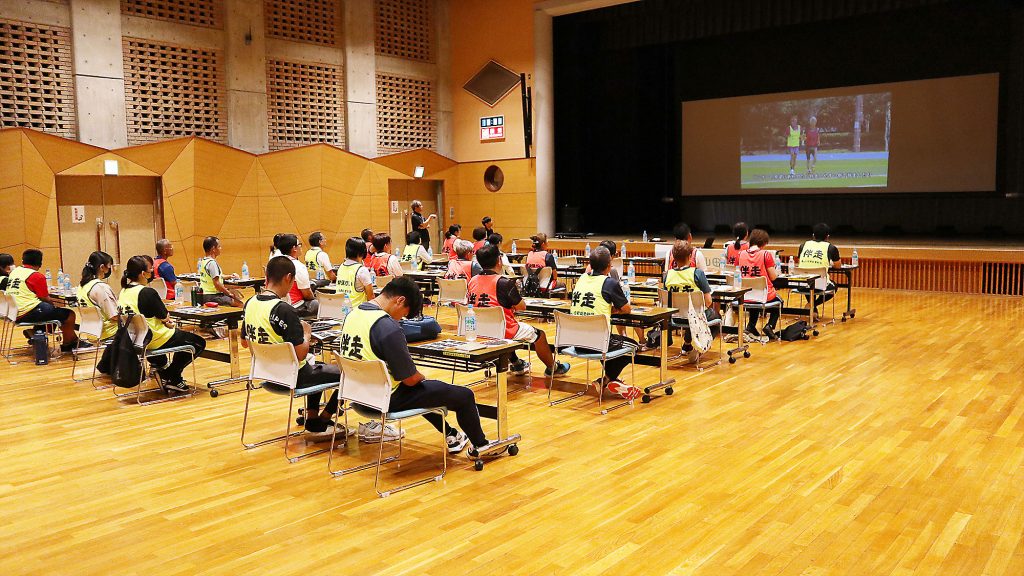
<point x="109" y="328"/>
<point x="354" y="342"/>
<point x="409" y="255"/>
<point x="681" y="280"/>
<point x="312" y="263"/>
<point x="587" y="299"/>
<point x="128" y="305"/>
<point x="814" y="255"/>
<point x="347" y="283"/>
<point x="205" y="280"/>
<point x="23" y="295"/>
<point x="256" y="324"/>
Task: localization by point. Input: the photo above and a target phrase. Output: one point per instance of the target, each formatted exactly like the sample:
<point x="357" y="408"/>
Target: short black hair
<point x="316" y="238"/>
<point x="402" y="286"/>
<point x="600" y="259"/>
<point x="366" y="235"/>
<point x="32" y="257"/>
<point x="610" y="245"/>
<point x="495" y="239"/>
<point x="355" y="248"/>
<point x="485" y="220"/>
<point x="380" y="240"/>
<point x="279" y="267"/>
<point x="288" y="242"/>
<point x="487" y="256"/>
<point x="6" y="260"/>
<point x="479" y="233"/>
<point x="209" y="243"/>
<point x="413" y="237"/>
<point x="681" y="231"/>
<point x="821" y="231"/>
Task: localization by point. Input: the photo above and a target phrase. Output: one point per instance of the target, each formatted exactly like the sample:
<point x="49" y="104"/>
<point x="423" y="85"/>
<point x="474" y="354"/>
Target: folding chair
<point x="50" y="328"/>
<point x="330" y="305"/>
<point x="407" y="265"/>
<point x="544" y="281"/>
<point x="90" y="328"/>
<point x="590" y="332"/>
<point x="757" y="298"/>
<point x="138" y="331"/>
<point x="450" y="292"/>
<point x="366" y="386"/>
<point x="160" y="286"/>
<point x="383" y="281"/>
<point x="822" y="287"/>
<point x="277" y="369"/>
<point x="682" y="302"/>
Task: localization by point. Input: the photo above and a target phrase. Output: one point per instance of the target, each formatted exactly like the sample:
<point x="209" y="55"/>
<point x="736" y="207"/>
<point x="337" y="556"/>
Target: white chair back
<point x="544" y="277"/>
<point x="383" y="281"/>
<point x="490" y="320"/>
<point x="160" y="286"/>
<point x="581" y="331"/>
<point x="758" y="289"/>
<point x="90" y="322"/>
<point x="567" y="261"/>
<point x="728" y="268"/>
<point x="365" y="382"/>
<point x="3" y="306"/>
<point x="274" y="363"/>
<point x="617" y="265"/>
<point x="138" y="330"/>
<point x="407" y="265"/>
<point x="456" y="290"/>
<point x="821" y="283"/>
<point x="330" y="305"/>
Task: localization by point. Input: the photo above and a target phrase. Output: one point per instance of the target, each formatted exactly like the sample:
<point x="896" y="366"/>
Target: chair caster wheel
<point x="214" y="393"/>
<point x="732" y="360"/>
<point x="300" y="421"/>
<point x="815" y="332"/>
<point x="513" y="449"/>
<point x="853" y="314"/>
<point x="669" y="391"/>
<point x="746" y="354"/>
<point x="478" y="465"/>
<point x="844" y="319"/>
<point x="647" y="390"/>
<point x="645" y="399"/>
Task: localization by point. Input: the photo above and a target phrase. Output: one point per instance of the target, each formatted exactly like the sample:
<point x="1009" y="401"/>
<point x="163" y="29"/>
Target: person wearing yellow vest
<point x="6" y="265"/>
<point x="685" y="278"/>
<point x="415" y="252"/>
<point x="318" y="262"/>
<point x="32" y="295"/>
<point x="597" y="294"/>
<point x="819" y="253"/>
<point x="137" y="298"/>
<point x="372" y="332"/>
<point x="211" y="278"/>
<point x="355" y="279"/>
<point x="793" y="137"/>
<point x="93" y="291"/>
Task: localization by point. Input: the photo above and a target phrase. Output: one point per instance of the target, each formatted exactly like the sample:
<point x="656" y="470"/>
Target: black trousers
<point x="312" y="375"/>
<point x="178" y="363"/>
<point x="773" y="316"/>
<point x="614" y="367"/>
<point x="433" y="394"/>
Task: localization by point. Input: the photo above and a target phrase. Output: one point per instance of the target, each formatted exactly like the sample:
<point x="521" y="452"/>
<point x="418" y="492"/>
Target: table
<point x="498" y="355"/>
<point x="231" y="316"/>
<point x="847" y="271"/>
<point x="730" y="295"/>
<point x="251" y="282"/>
<point x="807" y="280"/>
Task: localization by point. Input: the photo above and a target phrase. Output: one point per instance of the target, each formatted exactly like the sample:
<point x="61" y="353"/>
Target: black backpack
<point x="531" y="285"/>
<point x="795" y="331"/>
<point x="125" y="368"/>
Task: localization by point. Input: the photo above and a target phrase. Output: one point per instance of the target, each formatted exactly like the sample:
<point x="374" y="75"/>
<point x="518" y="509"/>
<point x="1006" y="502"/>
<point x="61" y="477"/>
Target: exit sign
<point x="492" y="128"/>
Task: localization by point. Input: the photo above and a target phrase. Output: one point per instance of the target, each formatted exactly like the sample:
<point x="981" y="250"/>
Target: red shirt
<point x="812" y="137"/>
<point x="36" y="282"/>
<point x="754" y="263"/>
<point x="169" y="284"/>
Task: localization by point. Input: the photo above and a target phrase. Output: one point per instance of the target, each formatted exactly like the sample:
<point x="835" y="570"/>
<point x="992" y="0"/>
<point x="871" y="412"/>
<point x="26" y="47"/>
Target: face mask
<point x="109" y="271"/>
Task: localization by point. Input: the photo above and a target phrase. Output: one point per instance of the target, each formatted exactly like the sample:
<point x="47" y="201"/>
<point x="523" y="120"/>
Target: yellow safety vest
<point x="109" y="327"/>
<point x="354" y="342"/>
<point x="23" y="295"/>
<point x="409" y="255"/>
<point x="347" y="283"/>
<point x="587" y="299"/>
<point x="681" y="280"/>
<point x="256" y="324"/>
<point x="128" y="305"/>
<point x="205" y="280"/>
<point x="312" y="263"/>
<point x="793" y="138"/>
<point x="814" y="255"/>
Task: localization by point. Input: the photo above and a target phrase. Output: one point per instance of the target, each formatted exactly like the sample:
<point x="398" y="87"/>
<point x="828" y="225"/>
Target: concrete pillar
<point x="99" y="72"/>
<point x="445" y="102"/>
<point x="544" y="119"/>
<point x="360" y="79"/>
<point x="246" y="73"/>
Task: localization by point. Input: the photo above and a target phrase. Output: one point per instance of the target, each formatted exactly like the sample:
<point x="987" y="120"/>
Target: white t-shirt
<point x="324" y="260"/>
<point x="276" y="252"/>
<point x="103" y="297"/>
<point x="363" y="278"/>
<point x="213" y="269"/>
<point x="698" y="257"/>
<point x="301" y="277"/>
<point x="422" y="255"/>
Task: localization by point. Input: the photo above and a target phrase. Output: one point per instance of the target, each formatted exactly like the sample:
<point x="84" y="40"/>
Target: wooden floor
<point x="891" y="444"/>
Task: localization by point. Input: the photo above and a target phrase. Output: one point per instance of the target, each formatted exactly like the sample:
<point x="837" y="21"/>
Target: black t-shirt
<point x="151" y="305"/>
<point x="833" y="252"/>
<point x="612" y="292"/>
<point x="387" y="340"/>
<point x="417" y="221"/>
<point x="285" y="321"/>
<point x="508" y="293"/>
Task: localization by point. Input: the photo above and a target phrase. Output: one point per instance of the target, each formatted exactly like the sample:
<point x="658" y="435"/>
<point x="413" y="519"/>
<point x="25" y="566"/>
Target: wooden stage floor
<point x="891" y="444"/>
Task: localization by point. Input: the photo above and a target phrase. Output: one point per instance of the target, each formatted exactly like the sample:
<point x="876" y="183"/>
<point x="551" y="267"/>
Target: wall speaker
<point x="492" y="83"/>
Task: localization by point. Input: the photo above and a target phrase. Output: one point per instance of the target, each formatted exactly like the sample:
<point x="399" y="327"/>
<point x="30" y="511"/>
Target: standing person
<point x="421" y="224"/>
<point x="488" y="225"/>
<point x="32" y="296"/>
<point x="450" y="237"/>
<point x="682" y="232"/>
<point x="301" y="296"/>
<point x="812" y="137"/>
<point x="372" y="332"/>
<point x="415" y="252"/>
<point x="755" y="262"/>
<point x="383" y="262"/>
<point x="318" y="262"/>
<point x="793" y="135"/>
<point x="210" y="276"/>
<point x="354" y="278"/>
<point x="163" y="268"/>
<point x="6" y="265"/>
<point x="94" y="292"/>
<point x="136" y="298"/>
<point x="741" y="233"/>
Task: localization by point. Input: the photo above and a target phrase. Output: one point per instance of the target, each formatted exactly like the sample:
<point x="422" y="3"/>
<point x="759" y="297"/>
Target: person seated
<point x="6" y="265"/>
<point x="137" y="298"/>
<point x="301" y="296"/>
<point x="682" y="232"/>
<point x="462" y="266"/>
<point x="479" y="238"/>
<point x="686" y="278"/>
<point x="275" y="246"/>
<point x="32" y="295"/>
<point x="595" y="293"/>
<point x="450" y="238"/>
<point x="506" y="266"/>
<point x="415" y="252"/>
<point x="383" y="262"/>
<point x="741" y="235"/>
<point x="491" y="289"/>
<point x="162" y="268"/>
<point x="94" y="292"/>
<point x="211" y="278"/>
<point x="355" y="279"/>
<point x="615" y="274"/>
<point x="367" y="236"/>
<point x="756" y="262"/>
<point x="539" y="257"/>
<point x="318" y="262"/>
<point x="372" y="332"/>
<point x="819" y="253"/>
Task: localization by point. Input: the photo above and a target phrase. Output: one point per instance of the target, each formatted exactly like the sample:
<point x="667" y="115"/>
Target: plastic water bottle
<point x="631" y="273"/>
<point x="514" y="249"/>
<point x="792" y="265"/>
<point x="725" y="256"/>
<point x="179" y="293"/>
<point x="737" y="279"/>
<point x="245" y="270"/>
<point x="623" y="250"/>
<point x="554" y="253"/>
<point x="67" y="284"/>
<point x="645" y="235"/>
<point x="396" y="251"/>
<point x="625" y="290"/>
<point x="346" y="307"/>
<point x="469" y="326"/>
<point x="49" y="277"/>
<point x="319" y="273"/>
<point x="60" y="278"/>
<point x="854" y="259"/>
<point x="586" y="250"/>
<point x="373" y="278"/>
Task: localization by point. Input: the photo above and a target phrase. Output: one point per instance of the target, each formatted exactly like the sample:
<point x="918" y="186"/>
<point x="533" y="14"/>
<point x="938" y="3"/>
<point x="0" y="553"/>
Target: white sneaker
<point x="457" y="442"/>
<point x="371" y="432"/>
<point x="791" y="172"/>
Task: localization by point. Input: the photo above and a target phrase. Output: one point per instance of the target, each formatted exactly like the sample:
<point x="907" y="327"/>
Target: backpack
<point x="531" y="285"/>
<point x="795" y="331"/>
<point x="420" y="329"/>
<point x="125" y="367"/>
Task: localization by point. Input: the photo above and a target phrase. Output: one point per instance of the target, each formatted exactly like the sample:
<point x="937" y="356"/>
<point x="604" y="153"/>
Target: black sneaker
<point x="178" y="385"/>
<point x="769" y="333"/>
<point x="519" y="368"/>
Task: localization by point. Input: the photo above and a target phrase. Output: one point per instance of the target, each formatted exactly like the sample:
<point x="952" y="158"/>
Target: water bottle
<point x="725" y="256"/>
<point x="625" y="290"/>
<point x="179" y="293"/>
<point x="792" y="265"/>
<point x="470" y="325"/>
<point x="67" y="284"/>
<point x="396" y="251"/>
<point x="60" y="278"/>
<point x="737" y="279"/>
<point x="514" y="249"/>
<point x="245" y="270"/>
<point x="319" y="274"/>
<point x="346" y="307"/>
<point x="645" y="235"/>
<point x="554" y="253"/>
<point x="631" y="273"/>
<point x="430" y="252"/>
<point x="586" y="250"/>
<point x="623" y="250"/>
<point x="49" y="277"/>
<point x="373" y="278"/>
<point x="854" y="259"/>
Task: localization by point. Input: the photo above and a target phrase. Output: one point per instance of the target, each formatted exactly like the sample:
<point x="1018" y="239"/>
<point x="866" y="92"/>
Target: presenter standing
<point x="421" y="224"/>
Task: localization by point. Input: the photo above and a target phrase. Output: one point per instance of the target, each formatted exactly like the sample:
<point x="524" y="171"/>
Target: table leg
<point x="663" y="380"/>
<point x="504" y="440"/>
<point x="233" y="353"/>
<point x="734" y="353"/>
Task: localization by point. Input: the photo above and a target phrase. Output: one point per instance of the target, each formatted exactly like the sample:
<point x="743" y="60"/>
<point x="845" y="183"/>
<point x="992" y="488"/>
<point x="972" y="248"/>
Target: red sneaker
<point x="625" y="390"/>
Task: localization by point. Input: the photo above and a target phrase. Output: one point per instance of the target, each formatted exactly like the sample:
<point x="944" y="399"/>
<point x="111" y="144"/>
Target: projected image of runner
<point x="834" y="142"/>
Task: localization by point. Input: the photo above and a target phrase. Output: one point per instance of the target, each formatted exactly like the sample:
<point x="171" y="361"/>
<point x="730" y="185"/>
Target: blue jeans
<point x="45" y="312"/>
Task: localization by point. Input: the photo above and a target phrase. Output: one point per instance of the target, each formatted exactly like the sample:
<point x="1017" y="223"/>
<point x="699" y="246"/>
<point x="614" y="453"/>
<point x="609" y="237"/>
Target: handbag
<point x="420" y="329"/>
<point x="700" y="332"/>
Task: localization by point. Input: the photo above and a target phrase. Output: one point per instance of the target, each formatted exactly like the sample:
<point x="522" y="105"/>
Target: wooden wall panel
<point x="36" y="173"/>
<point x="157" y="156"/>
<point x="295" y="169"/>
<point x="406" y="162"/>
<point x="10" y="158"/>
<point x="94" y="166"/>
<point x="60" y="153"/>
<point x="180" y="174"/>
<point x="12" y="233"/>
